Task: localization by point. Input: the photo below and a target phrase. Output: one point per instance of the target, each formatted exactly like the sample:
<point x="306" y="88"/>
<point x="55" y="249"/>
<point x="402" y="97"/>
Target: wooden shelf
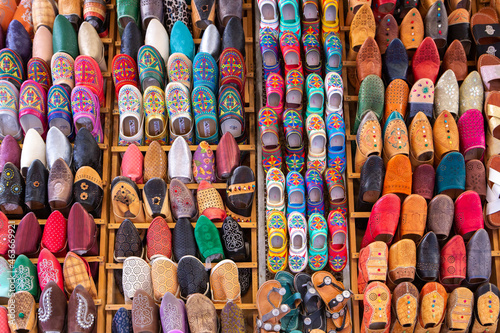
<point x="122" y="149"/>
<point x="244" y="225"/>
<point x="239" y="264"/>
<point x="218" y="306"/>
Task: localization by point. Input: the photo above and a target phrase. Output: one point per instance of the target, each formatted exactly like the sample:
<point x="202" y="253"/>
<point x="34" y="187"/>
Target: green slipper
<point x="5" y="279"/>
<point x="315" y="94"/>
<point x="208" y="240"/>
<point x="64" y="38"/>
<point x="126" y="11"/>
<point x="25" y="276"/>
<point x="370" y="98"/>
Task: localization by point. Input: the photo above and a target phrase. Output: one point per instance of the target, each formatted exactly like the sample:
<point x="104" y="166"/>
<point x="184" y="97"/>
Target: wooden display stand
<point x="115" y="299"/>
<point x="355" y="236"/>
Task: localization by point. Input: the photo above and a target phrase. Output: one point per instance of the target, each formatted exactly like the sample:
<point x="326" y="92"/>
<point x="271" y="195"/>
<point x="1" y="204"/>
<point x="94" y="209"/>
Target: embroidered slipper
<point x="294" y="88"/>
<point x="372" y="264"/>
<point x="179" y="69"/>
<point x="136" y="277"/>
<point x="232" y="69"/>
<point x="336" y="297"/>
<point x="24" y="276"/>
<point x="131" y="116"/>
<point x="294" y="158"/>
<point x="336" y="142"/>
<point x="179" y="112"/>
<point x="59" y="112"/>
<point x="11" y="67"/>
<point x="204" y="163"/>
<point x="23" y="316"/>
<point x="317" y="141"/>
<point x="314" y="188"/>
<point x="337" y="247"/>
<point x="275" y="189"/>
<point x="182" y="201"/>
<point x="205" y="70"/>
<point x="277" y="255"/>
<point x="475" y="98"/>
<point x="224" y="285"/>
<point x="368" y="140"/>
<point x="270" y="306"/>
<point x="312" y="47"/>
<point x="268" y="125"/>
<point x="164" y="279"/>
<point x="33" y="107"/>
<point x="377" y="305"/>
<point x="395" y="137"/>
<point x="126" y="200"/>
<point x="333" y="54"/>
<point x="86" y="111"/>
<point x="231" y="113"/>
<point x="335" y="186"/>
<point x="173" y="315"/>
<point x="334" y="89"/>
<point x="151" y="67"/>
<point x="290" y="48"/>
<point x="294" y="128"/>
<point x="9" y="106"/>
<point x="275" y="91"/>
<point x="318" y="244"/>
<point x="268" y="38"/>
<point x="124" y="71"/>
<point x="49" y="269"/>
<point x="145" y="316"/>
<point x="297" y="254"/>
<point x="156" y="203"/>
<point x="240" y="194"/>
<point x="39" y="71"/>
<point x="363" y="25"/>
<point x="445" y="135"/>
<point x="88" y="74"/>
<point x="421" y="99"/>
<point x="315" y="94"/>
<point x="205" y="115"/>
<point x="295" y="188"/>
<point x="156" y="115"/>
<point x="63" y="72"/>
<point x="446" y="94"/>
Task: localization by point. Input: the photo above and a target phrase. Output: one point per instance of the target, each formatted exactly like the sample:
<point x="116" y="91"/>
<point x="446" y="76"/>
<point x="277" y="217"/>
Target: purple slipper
<point x="204" y="163"/>
<point x="173" y="314"/>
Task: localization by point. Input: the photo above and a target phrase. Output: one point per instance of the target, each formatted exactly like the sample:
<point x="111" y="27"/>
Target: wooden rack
<point x="355" y="236"/>
<point x="115" y="299"/>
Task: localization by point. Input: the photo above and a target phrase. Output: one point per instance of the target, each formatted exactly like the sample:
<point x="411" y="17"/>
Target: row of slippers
<point x="452" y="263"/>
<point x="187" y="277"/>
<point x="326" y="142"/>
<point x="54" y="314"/>
<point x="201" y="14"/>
<point x="46" y="181"/>
<point x="302" y="303"/>
<point x="327" y="242"/>
<point x="305" y="195"/>
<point x="178" y="201"/>
<point x="177" y="98"/>
<point x="203" y="165"/>
<point x="204" y="241"/>
<point x="197" y="315"/>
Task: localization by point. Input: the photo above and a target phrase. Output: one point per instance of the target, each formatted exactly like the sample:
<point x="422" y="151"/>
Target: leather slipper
<point x="155" y="194"/>
<point x="270" y="306"/>
<point x="450" y="175"/>
<point x="201" y="314"/>
<point x="192" y="277"/>
<point x="126" y="200"/>
<point x="224" y="285"/>
<point x="182" y="201"/>
<point x="128" y="242"/>
<point x="164" y="277"/>
<point x="136" y="277"/>
<point x="173" y="315"/>
<point x="372" y="264"/>
<point x="158" y="239"/>
<point x="29" y="234"/>
<point x="63" y="73"/>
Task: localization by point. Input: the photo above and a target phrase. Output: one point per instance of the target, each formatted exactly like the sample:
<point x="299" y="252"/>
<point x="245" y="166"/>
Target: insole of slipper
<point x="269" y="58"/>
<point x="338" y="240"/>
<point x="377" y="325"/>
<point x="277" y="242"/>
<point x="288" y="13"/>
<point x="12" y="208"/>
<point x="63" y="125"/>
<point x="310" y="12"/>
<point x="292" y="58"/>
<point x="312" y="58"/>
<point x="316" y="100"/>
<point x="130" y="126"/>
<point x="474" y="153"/>
<point x="337" y="193"/>
<point x="269" y="139"/>
<point x="371" y="196"/>
<point x="155" y="127"/>
<point x="8" y="125"/>
<point x="84" y="122"/>
<point x="337" y="141"/>
<point x="315" y="195"/>
<point x="294" y="97"/>
<point x="35" y="205"/>
<point x="297" y="241"/>
<point x="317" y="144"/>
<point x="273" y="99"/>
<point x="296" y="197"/>
<point x="31" y="121"/>
<point x="294" y="140"/>
<point x="267" y="11"/>
<point x="440" y="43"/>
<point x="330" y="14"/>
<point x="274" y="195"/>
<point x="233" y="126"/>
<point x="319" y="241"/>
<point x="334" y="100"/>
<point x="181" y="126"/>
<point x="425" y="156"/>
<point x="334" y="60"/>
<point x="206" y="128"/>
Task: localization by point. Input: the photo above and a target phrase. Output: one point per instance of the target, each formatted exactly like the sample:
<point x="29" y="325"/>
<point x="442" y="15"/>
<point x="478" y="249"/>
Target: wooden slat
<point x="122" y="149"/>
<point x="244" y="225"/>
